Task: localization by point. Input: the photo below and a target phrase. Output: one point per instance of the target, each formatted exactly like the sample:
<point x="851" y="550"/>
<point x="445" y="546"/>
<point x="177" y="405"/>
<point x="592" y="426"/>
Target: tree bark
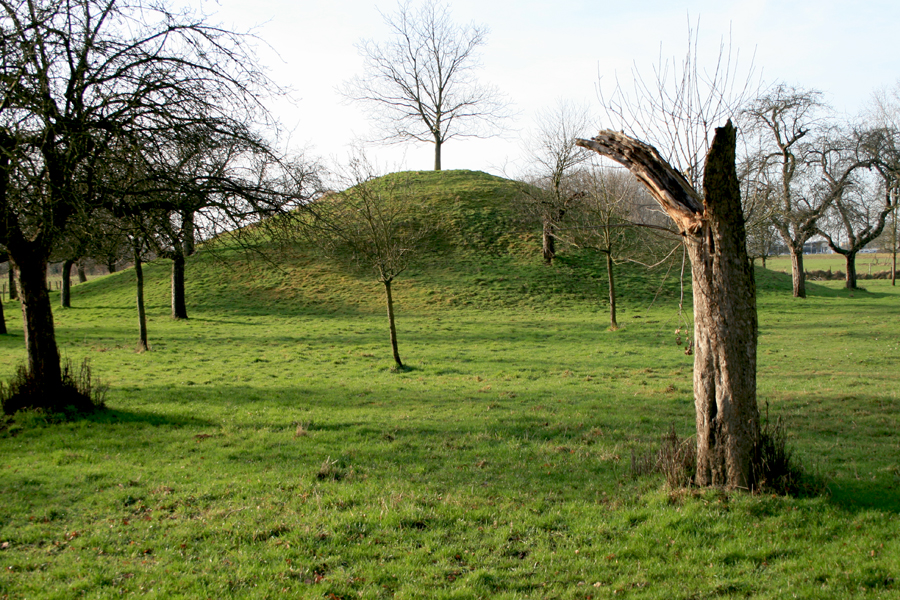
<point x="613" y="324"/>
<point x="390" y="311"/>
<point x="65" y="294"/>
<point x="111" y="266"/>
<point x="2" y="319"/>
<point x="798" y="275"/>
<point x="437" y="153"/>
<point x="548" y="243"/>
<point x="179" y="307"/>
<point x="850" y="279"/>
<point x="724" y="291"/>
<point x="82" y="276"/>
<point x="189" y="232"/>
<point x="13" y="290"/>
<point x="40" y="336"/>
<point x="143" y="345"/>
<point x="894" y="269"/>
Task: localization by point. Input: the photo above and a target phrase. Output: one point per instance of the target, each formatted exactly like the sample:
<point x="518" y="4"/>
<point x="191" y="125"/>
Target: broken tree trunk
<point x="724" y="290"/>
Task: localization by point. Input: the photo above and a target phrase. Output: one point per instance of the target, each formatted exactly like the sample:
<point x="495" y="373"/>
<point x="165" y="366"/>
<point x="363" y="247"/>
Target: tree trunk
<point x="13" y="291"/>
<point x="798" y="275"/>
<point x="893" y="249"/>
<point x="437" y="153"/>
<point x="82" y="276"/>
<point x="40" y="337"/>
<point x="179" y="308"/>
<point x="764" y="261"/>
<point x="724" y="291"/>
<point x="142" y="346"/>
<point x="548" y="245"/>
<point x="613" y="324"/>
<point x="188" y="230"/>
<point x="850" y="280"/>
<point x="65" y="294"/>
<point x="111" y="266"/>
<point x="894" y="269"/>
<point x="2" y="319"/>
<point x="390" y="311"/>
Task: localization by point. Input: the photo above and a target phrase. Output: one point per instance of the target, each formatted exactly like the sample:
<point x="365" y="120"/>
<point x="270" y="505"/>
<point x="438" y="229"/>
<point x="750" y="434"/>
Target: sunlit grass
<point x="264" y="448"/>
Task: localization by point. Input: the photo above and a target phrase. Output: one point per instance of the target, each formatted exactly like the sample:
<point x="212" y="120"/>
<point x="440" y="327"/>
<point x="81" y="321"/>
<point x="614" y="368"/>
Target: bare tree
<point x="884" y="112"/>
<point x="607" y="217"/>
<point x="553" y="157"/>
<point x="420" y="84"/>
<point x="376" y="224"/>
<point x="78" y="79"/>
<point x="859" y="173"/>
<point x="783" y="126"/>
<point x="677" y="109"/>
<point x="756" y="197"/>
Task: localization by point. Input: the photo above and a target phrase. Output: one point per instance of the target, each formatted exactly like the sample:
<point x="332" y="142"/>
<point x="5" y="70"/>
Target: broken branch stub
<point x="665" y="183"/>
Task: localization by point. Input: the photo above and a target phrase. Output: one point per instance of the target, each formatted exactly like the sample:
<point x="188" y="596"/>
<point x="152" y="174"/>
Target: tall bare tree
<point x="420" y="85"/>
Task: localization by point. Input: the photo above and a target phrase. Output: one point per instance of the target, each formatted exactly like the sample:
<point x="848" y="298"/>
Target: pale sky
<point x="541" y="51"/>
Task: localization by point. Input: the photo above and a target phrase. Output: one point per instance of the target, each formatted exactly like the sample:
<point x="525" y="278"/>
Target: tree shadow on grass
<point x="112" y="416"/>
<point x="856" y="496"/>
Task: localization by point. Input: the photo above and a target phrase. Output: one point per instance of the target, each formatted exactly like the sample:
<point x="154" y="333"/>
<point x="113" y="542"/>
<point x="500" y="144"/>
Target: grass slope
<point x="264" y="449"/>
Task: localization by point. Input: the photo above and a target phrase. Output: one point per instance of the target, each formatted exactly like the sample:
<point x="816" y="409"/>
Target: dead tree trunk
<point x="724" y="290"/>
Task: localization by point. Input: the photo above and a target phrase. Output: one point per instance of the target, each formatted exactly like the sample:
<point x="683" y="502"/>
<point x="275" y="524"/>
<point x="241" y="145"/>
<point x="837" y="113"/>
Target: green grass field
<point x="265" y="449"/>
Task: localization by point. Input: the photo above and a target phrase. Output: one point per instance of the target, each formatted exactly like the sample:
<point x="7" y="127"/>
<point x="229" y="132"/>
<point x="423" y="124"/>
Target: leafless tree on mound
<point x="711" y="222"/>
<point x="375" y="224"/>
<point x="553" y="156"/>
<point x="420" y="84"/>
